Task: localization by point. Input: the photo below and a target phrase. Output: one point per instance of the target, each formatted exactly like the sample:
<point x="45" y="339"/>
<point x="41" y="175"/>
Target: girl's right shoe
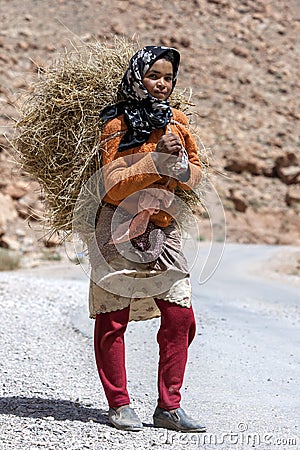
<point x="124" y="418"/>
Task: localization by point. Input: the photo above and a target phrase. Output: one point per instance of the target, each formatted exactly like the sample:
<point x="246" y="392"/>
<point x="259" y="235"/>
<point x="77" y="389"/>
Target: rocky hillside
<point x="240" y="57"/>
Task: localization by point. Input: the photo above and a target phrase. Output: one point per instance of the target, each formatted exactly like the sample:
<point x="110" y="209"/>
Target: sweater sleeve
<point x="124" y="175"/>
<point x="129" y="174"/>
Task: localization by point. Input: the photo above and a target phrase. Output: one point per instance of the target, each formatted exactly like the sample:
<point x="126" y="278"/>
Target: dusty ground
<point x="241" y="380"/>
<point x="286" y="266"/>
<point x="241" y="59"/>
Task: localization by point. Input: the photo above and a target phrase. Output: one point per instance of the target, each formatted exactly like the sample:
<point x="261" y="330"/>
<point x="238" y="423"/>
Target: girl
<point x="147" y="151"/>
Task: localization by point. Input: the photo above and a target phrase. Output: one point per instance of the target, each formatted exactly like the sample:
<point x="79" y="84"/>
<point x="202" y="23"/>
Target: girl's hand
<point x="169" y="143"/>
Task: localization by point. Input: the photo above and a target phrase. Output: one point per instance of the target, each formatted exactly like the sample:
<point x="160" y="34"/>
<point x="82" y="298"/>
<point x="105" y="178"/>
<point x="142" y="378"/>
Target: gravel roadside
<point x="51" y="397"/>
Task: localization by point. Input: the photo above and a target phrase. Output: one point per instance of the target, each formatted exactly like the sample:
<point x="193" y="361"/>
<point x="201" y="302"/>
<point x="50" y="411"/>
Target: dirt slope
<point x="241" y="59"/>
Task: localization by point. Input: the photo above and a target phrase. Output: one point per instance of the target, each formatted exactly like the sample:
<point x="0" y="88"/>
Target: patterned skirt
<point x="137" y="272"/>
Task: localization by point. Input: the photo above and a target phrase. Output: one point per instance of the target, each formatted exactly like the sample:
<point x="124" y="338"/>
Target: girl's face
<point x="159" y="79"/>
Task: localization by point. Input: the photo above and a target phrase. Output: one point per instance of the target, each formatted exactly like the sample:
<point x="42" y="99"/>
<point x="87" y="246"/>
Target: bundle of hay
<point x="58" y="136"/>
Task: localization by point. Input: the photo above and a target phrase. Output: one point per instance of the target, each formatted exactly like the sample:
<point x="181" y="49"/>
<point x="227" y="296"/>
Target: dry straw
<point x="59" y="133"/>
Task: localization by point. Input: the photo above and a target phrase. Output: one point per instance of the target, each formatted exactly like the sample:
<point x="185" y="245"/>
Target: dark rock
<point x="287" y="168"/>
<point x="243" y="52"/>
<point x="239" y="165"/>
<point x="238" y="199"/>
<point x="292" y="197"/>
<point x="289" y="175"/>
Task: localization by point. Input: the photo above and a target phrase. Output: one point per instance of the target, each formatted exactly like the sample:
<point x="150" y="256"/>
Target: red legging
<point x="175" y="334"/>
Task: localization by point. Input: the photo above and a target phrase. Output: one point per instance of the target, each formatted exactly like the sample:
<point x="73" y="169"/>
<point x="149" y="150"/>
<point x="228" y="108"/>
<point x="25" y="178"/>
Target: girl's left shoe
<point x="176" y="420"/>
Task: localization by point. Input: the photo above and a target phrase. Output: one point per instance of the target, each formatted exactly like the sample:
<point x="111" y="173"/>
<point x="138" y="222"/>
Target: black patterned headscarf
<point x="143" y="113"/>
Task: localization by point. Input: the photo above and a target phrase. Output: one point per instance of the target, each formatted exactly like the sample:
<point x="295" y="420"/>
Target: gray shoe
<point x="177" y="420"/>
<point x="124" y="418"/>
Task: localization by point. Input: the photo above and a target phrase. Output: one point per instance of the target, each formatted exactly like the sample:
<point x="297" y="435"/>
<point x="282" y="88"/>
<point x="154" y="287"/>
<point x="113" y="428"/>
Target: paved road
<point x="242" y="378"/>
<point x="245" y="360"/>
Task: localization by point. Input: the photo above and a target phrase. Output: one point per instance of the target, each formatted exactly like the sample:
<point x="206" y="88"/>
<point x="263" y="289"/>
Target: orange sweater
<point x="132" y="170"/>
